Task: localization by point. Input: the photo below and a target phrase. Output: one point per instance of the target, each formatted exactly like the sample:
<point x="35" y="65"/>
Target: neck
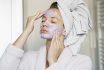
<point x="48" y="43"/>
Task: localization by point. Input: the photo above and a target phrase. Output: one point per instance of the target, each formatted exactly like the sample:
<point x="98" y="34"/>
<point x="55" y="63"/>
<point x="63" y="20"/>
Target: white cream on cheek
<point x="51" y="29"/>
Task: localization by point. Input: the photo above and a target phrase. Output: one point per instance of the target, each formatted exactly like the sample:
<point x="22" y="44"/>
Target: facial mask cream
<point x="51" y="29"/>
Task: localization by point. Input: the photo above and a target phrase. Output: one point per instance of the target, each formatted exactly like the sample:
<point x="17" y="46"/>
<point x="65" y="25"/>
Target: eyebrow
<point x="54" y="18"/>
<point x="43" y="16"/>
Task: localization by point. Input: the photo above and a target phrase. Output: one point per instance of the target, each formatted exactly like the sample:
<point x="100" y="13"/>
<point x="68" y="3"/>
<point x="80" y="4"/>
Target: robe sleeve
<point x="11" y="58"/>
<point x="28" y="62"/>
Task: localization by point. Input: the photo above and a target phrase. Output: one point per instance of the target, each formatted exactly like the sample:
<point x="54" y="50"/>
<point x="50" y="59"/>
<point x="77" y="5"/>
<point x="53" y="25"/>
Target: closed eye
<point x="43" y="21"/>
<point x="53" y="22"/>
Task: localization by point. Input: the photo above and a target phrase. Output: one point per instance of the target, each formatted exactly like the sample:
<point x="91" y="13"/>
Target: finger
<point x="58" y="36"/>
<point x="55" y="36"/>
<point x="37" y="15"/>
<point x="57" y="40"/>
<point x="60" y="40"/>
<point x="53" y="39"/>
<point x="40" y="15"/>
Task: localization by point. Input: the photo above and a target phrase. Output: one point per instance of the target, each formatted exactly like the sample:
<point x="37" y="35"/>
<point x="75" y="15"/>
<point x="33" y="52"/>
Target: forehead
<point x="52" y="13"/>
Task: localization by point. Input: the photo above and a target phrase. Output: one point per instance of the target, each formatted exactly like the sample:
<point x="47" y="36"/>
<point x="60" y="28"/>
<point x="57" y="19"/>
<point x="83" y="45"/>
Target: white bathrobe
<point x="15" y="59"/>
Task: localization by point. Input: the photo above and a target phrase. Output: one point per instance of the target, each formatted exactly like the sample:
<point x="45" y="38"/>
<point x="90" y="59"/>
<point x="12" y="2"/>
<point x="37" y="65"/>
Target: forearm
<point x="22" y="39"/>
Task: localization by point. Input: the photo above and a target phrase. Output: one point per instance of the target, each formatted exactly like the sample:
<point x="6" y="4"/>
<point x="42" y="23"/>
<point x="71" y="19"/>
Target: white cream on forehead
<point x="49" y="13"/>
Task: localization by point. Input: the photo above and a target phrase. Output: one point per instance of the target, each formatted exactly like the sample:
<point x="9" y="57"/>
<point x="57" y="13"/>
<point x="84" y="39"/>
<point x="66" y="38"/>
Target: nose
<point x="45" y="24"/>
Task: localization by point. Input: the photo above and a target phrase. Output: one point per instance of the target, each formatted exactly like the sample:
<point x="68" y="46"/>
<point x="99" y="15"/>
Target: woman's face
<point x="51" y="22"/>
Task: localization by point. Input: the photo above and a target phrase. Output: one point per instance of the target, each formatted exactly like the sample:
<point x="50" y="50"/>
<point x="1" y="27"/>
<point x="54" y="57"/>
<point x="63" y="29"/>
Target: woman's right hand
<point x="31" y="20"/>
<point x="29" y="28"/>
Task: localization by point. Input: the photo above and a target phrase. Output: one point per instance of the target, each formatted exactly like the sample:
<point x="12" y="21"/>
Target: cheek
<point x="52" y="29"/>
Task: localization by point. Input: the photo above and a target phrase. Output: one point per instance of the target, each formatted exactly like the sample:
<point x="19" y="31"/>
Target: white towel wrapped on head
<point x="77" y="22"/>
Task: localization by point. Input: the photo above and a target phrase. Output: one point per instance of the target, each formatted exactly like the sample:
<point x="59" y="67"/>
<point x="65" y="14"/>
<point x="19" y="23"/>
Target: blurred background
<point x="14" y="14"/>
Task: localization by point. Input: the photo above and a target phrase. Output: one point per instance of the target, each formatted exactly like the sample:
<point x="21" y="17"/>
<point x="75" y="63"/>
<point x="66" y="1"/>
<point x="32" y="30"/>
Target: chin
<point x="46" y="36"/>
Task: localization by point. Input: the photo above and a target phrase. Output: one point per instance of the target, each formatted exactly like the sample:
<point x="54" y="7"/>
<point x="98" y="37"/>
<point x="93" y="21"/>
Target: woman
<point x="54" y="55"/>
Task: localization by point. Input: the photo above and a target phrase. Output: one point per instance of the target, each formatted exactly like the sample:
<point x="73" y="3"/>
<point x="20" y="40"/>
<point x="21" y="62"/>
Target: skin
<point x="50" y="24"/>
<point x="55" y="45"/>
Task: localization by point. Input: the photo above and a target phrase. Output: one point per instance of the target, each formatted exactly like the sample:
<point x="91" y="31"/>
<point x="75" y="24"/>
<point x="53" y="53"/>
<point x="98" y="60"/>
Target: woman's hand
<point x="56" y="47"/>
<point x="31" y="20"/>
<point x="29" y="28"/>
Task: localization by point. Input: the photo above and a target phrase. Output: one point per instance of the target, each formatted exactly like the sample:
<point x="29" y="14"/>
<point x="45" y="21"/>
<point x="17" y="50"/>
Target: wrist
<point x="51" y="62"/>
<point x="28" y="31"/>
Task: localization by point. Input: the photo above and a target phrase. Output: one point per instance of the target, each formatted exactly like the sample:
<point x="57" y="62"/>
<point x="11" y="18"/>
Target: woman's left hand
<point x="56" y="47"/>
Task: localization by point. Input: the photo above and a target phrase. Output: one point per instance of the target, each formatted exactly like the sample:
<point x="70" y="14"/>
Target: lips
<point x="43" y="30"/>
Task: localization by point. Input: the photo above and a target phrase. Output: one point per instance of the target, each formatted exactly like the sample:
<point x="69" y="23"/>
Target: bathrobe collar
<point x="61" y="62"/>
